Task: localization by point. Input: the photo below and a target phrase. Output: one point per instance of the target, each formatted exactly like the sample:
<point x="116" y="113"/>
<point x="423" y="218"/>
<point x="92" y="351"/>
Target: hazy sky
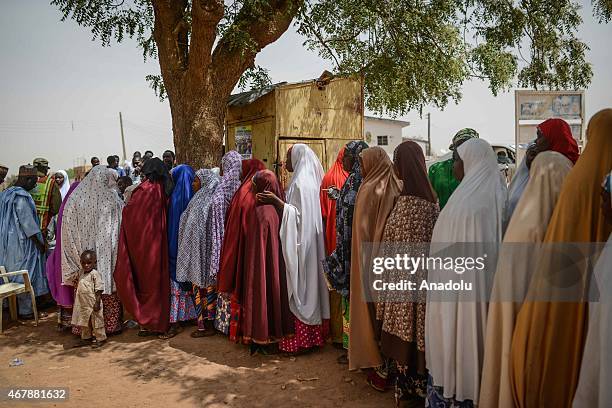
<point x="61" y="93"/>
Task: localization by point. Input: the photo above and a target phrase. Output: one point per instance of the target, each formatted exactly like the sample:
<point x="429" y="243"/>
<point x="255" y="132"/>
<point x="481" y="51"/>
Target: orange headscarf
<point x="549" y="336"/>
<point x="336" y="176"/>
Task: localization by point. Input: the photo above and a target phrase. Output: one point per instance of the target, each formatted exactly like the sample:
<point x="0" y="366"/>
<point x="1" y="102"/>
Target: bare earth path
<point x="130" y="371"/>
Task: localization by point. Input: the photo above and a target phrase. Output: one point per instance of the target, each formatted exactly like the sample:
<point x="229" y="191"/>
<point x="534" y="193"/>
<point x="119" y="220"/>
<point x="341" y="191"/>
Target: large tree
<point x="410" y="52"/>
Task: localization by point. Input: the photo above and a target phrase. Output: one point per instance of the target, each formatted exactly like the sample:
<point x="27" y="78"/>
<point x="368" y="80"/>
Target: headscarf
<point x="514" y="267"/>
<point x="65" y="185"/>
<point x="156" y="170"/>
<point x="91" y="220"/>
<point x="302" y="239"/>
<point x="576" y="218"/>
<point x="455" y="329"/>
<point x="200" y="174"/>
<point x="63" y="295"/>
<point x="194" y="246"/>
<point x="266" y="180"/>
<point x="337" y="266"/>
<point x="232" y="254"/>
<point x="374" y="203"/>
<point x="221" y="199"/>
<point x="181" y="194"/>
<point x="559" y="135"/>
<point x="515" y="190"/>
<point x="409" y="161"/>
<point x="336" y="176"/>
<point x="463" y="135"/>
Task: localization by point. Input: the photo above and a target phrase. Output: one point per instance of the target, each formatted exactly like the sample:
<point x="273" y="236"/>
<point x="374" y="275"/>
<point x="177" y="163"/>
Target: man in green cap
<point x="441" y="174"/>
<point x="46" y="195"/>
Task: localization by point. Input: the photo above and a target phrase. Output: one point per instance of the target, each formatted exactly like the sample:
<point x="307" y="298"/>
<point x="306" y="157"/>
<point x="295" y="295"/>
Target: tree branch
<point x="205" y="16"/>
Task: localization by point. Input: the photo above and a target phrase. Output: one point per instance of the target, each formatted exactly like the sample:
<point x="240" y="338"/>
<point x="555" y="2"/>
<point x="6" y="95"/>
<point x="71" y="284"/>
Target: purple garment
<point x="231" y="163"/>
<point x="63" y="295"/>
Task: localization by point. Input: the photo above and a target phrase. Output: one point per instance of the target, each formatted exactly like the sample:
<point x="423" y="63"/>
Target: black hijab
<point x="156" y="170"/>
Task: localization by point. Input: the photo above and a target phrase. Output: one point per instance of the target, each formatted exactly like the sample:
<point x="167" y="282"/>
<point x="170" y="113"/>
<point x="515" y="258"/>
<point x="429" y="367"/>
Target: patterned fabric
<point x="436" y="399"/>
<point x="205" y="300"/>
<point x="409" y="385"/>
<point x="225" y="321"/>
<point x="194" y="247"/>
<point x="463" y="135"/>
<point x="42" y="199"/>
<point x="113" y="315"/>
<point x="221" y="198"/>
<point x="411" y="222"/>
<point x="345" y="322"/>
<point x="182" y="308"/>
<point x="337" y="266"/>
<point x="91" y="220"/>
<point x="64" y="316"/>
<point x="306" y="336"/>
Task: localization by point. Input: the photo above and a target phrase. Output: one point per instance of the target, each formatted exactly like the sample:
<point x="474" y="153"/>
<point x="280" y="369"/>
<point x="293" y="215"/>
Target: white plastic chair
<point x="10" y="290"/>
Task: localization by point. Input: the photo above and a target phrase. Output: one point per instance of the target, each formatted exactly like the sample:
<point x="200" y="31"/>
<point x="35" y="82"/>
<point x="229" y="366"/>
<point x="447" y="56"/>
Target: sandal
<point x="97" y="343"/>
<point x="376" y="381"/>
<point x="202" y="333"/>
<point x="145" y="333"/>
<point x="173" y="331"/>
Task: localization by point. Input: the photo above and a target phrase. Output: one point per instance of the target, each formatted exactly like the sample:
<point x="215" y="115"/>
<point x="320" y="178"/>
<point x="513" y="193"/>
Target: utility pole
<point x="428" y="134"/>
<point x="122" y="137"/>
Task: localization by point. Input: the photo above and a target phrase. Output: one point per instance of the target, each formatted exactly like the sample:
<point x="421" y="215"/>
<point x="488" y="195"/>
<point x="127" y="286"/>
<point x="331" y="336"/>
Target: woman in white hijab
<point x="61" y="178"/>
<point x="454" y="327"/>
<point x="516" y="262"/>
<point x="302" y="237"/>
<point x="91" y="220"/>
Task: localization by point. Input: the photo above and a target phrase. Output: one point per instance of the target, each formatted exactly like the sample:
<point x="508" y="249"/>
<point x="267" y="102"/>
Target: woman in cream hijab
<point x="303" y="247"/>
<point x="553" y="333"/>
<point x="515" y="263"/>
<point x="454" y="327"/>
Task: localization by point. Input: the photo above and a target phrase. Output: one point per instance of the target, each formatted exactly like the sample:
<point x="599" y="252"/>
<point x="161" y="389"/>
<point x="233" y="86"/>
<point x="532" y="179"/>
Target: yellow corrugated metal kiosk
<point x="324" y="114"/>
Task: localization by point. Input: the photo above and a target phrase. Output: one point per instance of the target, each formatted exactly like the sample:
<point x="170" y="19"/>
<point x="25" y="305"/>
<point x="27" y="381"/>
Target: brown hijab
<point x="409" y="163"/>
<point x="375" y="200"/>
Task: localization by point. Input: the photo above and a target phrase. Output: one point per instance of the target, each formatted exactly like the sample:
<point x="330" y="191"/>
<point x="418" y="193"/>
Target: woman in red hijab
<point x="266" y="317"/>
<point x="330" y="189"/>
<point x="141" y="273"/>
<point x="232" y="264"/>
<point x="554" y="134"/>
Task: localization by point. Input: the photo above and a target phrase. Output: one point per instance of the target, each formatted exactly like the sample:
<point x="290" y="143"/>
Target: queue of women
<point x="229" y="249"/>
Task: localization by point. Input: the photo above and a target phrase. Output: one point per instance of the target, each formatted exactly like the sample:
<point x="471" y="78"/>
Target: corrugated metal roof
<point x="245" y="98"/>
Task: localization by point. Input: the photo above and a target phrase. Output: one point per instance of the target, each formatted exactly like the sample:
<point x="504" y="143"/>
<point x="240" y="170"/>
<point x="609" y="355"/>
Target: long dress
<point x="91" y="219"/>
<point x="544" y="331"/>
<point x="408" y="230"/>
<point x="193" y="260"/>
<point x="455" y="326"/>
<point x="62" y="294"/>
<point x="233" y="262"/>
<point x="514" y="267"/>
<point x="374" y="203"/>
<point x="303" y="246"/>
<point x="337" y="266"/>
<point x="142" y="276"/>
<point x="265" y="306"/>
<point x="181" y="298"/>
<point x="336" y="176"/>
<point x="19" y="222"/>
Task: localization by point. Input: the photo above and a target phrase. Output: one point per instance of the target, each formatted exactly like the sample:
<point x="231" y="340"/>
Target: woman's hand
<point x="268" y="197"/>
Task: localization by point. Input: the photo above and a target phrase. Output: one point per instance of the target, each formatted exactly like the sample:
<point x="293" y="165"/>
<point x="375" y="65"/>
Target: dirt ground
<point x="130" y="371"/>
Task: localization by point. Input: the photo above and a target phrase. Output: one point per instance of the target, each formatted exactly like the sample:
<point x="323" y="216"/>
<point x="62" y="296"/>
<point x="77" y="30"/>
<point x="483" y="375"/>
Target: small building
<point x="324" y="113"/>
<point x="386" y="133"/>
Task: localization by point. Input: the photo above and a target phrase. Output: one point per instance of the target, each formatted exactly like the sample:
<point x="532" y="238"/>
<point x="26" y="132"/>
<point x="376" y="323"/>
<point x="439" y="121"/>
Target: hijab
<point x="65" y="185"/>
<point x="559" y="136"/>
<point x="409" y="162"/>
<point x="241" y="206"/>
<point x="336" y="176"/>
<point x="156" y="170"/>
<point x="337" y="266"/>
<point x="183" y="176"/>
<point x="221" y="199"/>
<point x="577" y="218"/>
<point x="194" y="247"/>
<point x="91" y="220"/>
<point x="514" y="267"/>
<point x="374" y="203"/>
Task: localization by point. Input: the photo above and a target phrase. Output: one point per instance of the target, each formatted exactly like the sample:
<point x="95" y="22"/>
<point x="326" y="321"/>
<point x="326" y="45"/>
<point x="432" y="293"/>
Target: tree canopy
<point x="410" y="52"/>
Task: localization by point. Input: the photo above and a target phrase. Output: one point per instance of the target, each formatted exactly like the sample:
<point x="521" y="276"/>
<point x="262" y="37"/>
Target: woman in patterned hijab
<point x="193" y="260"/>
<point x="337" y="266"/>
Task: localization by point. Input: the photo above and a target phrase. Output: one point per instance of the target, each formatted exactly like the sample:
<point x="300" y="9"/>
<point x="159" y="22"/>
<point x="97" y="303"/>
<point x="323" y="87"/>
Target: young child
<point x="87" y="310"/>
